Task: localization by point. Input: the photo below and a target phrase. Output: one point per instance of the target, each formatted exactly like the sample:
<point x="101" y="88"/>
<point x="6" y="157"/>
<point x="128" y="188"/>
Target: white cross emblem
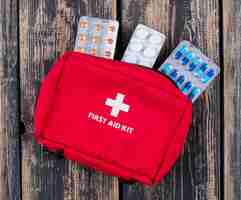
<point x="117" y="105"/>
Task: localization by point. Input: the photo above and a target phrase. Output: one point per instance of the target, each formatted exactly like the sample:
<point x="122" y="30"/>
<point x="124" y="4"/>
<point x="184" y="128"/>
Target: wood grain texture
<point x="9" y="102"/>
<point x="196" y="174"/>
<point x="47" y="30"/>
<point x="232" y="98"/>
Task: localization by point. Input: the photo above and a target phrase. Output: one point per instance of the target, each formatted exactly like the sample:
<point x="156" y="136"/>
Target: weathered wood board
<point x="232" y="98"/>
<point x="196" y="174"/>
<point x="9" y="105"/>
<point x="29" y="44"/>
<point x="47" y="29"/>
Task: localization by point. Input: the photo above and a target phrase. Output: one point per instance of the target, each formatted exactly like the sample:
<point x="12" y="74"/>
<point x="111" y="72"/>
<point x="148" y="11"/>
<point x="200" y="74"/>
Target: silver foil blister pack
<point x="144" y="46"/>
<point x="96" y="36"/>
<point x="190" y="69"/>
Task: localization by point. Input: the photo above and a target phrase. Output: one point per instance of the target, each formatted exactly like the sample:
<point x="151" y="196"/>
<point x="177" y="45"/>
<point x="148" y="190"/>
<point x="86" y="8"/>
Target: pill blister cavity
<point x="187" y="86"/>
<point x="82" y="38"/>
<point x="97" y="28"/>
<point x="155" y="39"/>
<point x="195" y="62"/>
<point x="111" y="28"/>
<point x="83" y="24"/>
<point x="145" y="62"/>
<point x="93" y="51"/>
<point x="136" y="46"/>
<point x="187" y="58"/>
<point x="131" y="59"/>
<point x="174" y="74"/>
<point x="208" y="76"/>
<point x="109" y="40"/>
<point x="108" y="54"/>
<point x="180" y="80"/>
<point x="180" y="52"/>
<point x="150" y="52"/>
<point x="142" y="33"/>
<point x="194" y="92"/>
<point x="96" y="39"/>
<point x="81" y="50"/>
<point x="199" y="71"/>
<point x="167" y="68"/>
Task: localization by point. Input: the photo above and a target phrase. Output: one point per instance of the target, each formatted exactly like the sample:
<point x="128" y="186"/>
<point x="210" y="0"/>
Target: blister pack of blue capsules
<point x="97" y="36"/>
<point x="190" y="69"/>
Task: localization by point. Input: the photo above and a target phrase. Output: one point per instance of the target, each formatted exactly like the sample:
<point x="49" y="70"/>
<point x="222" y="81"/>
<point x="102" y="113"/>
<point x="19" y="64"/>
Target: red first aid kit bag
<point x="119" y="118"/>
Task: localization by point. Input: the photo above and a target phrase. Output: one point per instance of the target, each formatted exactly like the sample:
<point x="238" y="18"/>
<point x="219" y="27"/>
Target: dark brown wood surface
<point x="47" y="29"/>
<point x="33" y="33"/>
<point x="232" y="98"/>
<point x="196" y="174"/>
<point x="10" y="184"/>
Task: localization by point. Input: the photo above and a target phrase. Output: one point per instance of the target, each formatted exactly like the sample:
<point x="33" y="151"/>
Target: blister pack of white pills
<point x="190" y="69"/>
<point x="97" y="36"/>
<point x="144" y="46"/>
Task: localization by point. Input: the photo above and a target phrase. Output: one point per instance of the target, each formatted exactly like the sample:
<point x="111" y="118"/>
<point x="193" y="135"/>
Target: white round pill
<point x="142" y="33"/>
<point x="134" y="46"/>
<point x="130" y="59"/>
<point x="155" y="39"/>
<point x="147" y="63"/>
<point x="150" y="52"/>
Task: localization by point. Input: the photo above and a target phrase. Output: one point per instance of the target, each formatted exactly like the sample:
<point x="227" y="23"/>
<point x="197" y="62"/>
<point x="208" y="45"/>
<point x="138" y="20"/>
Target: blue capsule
<point x="173" y="74"/>
<point x="167" y="68"/>
<point x="186" y="87"/>
<point x="194" y="63"/>
<point x="183" y="50"/>
<point x="187" y="58"/>
<point x="180" y="80"/>
<point x="209" y="75"/>
<point x="199" y="71"/>
<point x="195" y="91"/>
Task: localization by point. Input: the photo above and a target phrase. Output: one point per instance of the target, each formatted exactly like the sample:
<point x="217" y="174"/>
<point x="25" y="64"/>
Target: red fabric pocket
<point x="112" y="116"/>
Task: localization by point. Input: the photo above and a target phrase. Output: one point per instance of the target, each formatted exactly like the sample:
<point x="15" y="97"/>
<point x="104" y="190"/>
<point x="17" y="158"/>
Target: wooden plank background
<point x="10" y="180"/>
<point x="232" y="98"/>
<point x="34" y="32"/>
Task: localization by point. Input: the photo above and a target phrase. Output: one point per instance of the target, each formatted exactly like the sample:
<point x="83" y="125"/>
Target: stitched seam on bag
<point x="138" y="82"/>
<point x="111" y="163"/>
<point x="143" y="82"/>
<point x="55" y="92"/>
<point x="133" y="66"/>
<point x="163" y="160"/>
